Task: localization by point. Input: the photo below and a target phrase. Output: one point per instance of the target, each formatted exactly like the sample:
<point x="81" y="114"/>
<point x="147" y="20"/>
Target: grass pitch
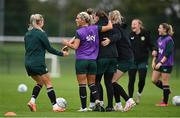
<point x="67" y="87"/>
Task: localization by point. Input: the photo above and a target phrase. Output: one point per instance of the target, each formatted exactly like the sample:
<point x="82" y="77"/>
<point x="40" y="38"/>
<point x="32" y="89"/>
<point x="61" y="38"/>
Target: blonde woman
<point x="36" y="44"/>
<point x="86" y="45"/>
<point x="124" y="59"/>
<point x="163" y="62"/>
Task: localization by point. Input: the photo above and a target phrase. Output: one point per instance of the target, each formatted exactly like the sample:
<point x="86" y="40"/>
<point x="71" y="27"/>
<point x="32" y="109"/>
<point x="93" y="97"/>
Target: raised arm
<point x="108" y="27"/>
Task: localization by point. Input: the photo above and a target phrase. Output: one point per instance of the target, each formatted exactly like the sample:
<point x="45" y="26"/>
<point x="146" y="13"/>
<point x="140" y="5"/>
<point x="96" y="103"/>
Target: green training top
<point x="36" y="44"/>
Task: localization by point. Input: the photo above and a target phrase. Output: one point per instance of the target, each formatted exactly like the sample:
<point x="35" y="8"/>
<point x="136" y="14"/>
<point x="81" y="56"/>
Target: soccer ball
<point x="176" y="100"/>
<point x="22" y="88"/>
<point x="61" y="102"/>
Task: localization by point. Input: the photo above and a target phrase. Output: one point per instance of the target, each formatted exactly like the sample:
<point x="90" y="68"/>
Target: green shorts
<point x="124" y="65"/>
<point x="106" y="65"/>
<point x="165" y="69"/>
<point x="86" y="67"/>
<point x="36" y="70"/>
<point x="142" y="65"/>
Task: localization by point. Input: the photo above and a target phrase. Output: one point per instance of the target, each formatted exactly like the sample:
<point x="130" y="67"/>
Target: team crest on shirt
<point x="132" y="38"/>
<point x="142" y="38"/>
<point x="91" y="38"/>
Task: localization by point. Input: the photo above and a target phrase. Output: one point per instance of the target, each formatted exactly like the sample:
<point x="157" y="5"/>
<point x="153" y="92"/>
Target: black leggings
<point x="132" y="77"/>
<point x="108" y="85"/>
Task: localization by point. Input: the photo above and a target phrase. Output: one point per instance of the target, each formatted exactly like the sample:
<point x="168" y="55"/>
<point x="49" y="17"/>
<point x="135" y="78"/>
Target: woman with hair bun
<point x="86" y="45"/>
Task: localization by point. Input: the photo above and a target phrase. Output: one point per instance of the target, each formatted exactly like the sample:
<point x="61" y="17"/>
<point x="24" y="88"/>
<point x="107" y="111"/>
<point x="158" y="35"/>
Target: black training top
<point x="110" y="50"/>
<point x="141" y="44"/>
<point x="123" y="43"/>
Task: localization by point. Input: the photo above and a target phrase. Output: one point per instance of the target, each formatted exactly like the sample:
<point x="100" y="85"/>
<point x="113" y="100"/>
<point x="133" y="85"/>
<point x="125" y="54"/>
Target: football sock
<point x="83" y="95"/>
<point x="109" y="88"/>
<point x="121" y="91"/>
<point x="36" y="90"/>
<point x="159" y="84"/>
<point x="92" y="100"/>
<point x="94" y="91"/>
<point x="132" y="77"/>
<point x="51" y="95"/>
<point x="166" y="92"/>
<point x="116" y="93"/>
<point x="142" y="78"/>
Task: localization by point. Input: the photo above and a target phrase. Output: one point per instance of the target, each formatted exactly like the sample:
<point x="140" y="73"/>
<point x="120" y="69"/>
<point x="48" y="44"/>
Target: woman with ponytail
<point x="36" y="44"/>
<point x="163" y="62"/>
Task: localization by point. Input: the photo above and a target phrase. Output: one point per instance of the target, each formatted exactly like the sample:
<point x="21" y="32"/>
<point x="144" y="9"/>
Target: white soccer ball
<point x="176" y="100"/>
<point x="22" y="88"/>
<point x="61" y="102"/>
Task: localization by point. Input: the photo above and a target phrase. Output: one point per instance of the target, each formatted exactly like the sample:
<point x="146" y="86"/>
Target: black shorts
<point x="165" y="69"/>
<point x="36" y="70"/>
<point x="86" y="67"/>
<point x="106" y="65"/>
<point x="124" y="65"/>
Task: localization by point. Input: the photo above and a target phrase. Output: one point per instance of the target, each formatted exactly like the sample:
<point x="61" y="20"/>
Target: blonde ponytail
<point x="168" y="27"/>
<point x="170" y="31"/>
<point x="34" y="19"/>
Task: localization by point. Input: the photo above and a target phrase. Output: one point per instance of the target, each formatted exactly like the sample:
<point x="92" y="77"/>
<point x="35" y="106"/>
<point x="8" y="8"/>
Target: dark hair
<point x="101" y="13"/>
<point x="90" y="11"/>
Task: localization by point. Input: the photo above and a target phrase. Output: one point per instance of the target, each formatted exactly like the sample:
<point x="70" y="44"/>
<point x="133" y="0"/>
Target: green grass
<point x="67" y="87"/>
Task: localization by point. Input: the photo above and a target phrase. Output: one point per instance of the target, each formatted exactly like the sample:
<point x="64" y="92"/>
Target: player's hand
<point x="158" y="65"/>
<point x="65" y="53"/>
<point x="65" y="48"/>
<point x="105" y="42"/>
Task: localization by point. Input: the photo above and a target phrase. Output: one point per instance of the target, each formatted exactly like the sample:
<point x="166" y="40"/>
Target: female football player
<point x="124" y="60"/>
<point x="86" y="44"/>
<point x="141" y="44"/>
<point x="163" y="62"/>
<point x="106" y="62"/>
<point x="36" y="43"/>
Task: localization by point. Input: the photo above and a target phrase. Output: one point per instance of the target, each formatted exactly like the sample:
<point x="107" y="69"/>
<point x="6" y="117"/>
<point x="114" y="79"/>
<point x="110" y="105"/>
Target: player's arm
<point x="66" y="48"/>
<point x="49" y="48"/>
<point x="107" y="27"/>
<point x="115" y="35"/>
<point x="73" y="43"/>
<point x="153" y="62"/>
<point x="168" y="51"/>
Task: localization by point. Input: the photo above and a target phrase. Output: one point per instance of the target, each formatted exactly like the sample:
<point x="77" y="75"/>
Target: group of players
<point x="104" y="48"/>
